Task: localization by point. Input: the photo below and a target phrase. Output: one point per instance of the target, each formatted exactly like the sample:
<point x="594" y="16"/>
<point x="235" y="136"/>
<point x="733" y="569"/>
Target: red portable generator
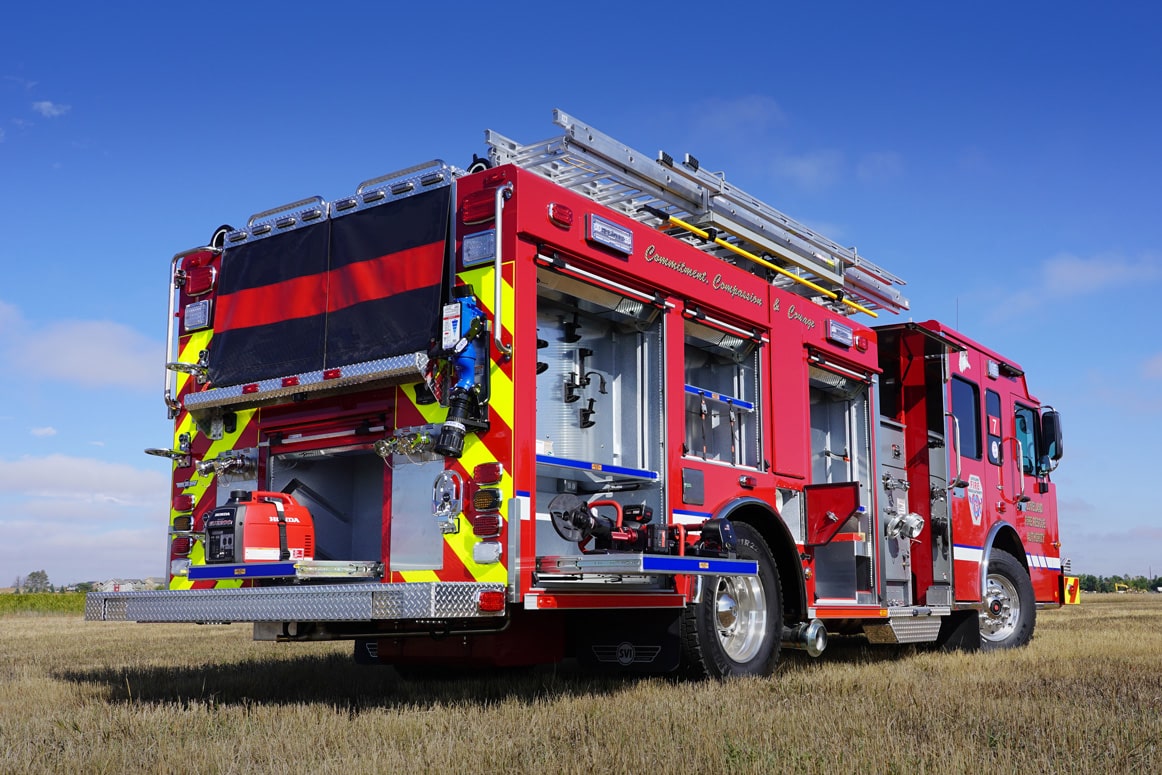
<point x="259" y="527"/>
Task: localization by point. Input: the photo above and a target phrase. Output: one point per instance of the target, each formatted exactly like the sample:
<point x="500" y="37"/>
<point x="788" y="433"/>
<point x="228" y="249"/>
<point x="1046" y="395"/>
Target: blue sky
<point x="1003" y="158"/>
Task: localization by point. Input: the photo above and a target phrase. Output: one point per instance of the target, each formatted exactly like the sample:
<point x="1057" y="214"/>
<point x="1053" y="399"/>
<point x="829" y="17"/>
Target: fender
<point x="987" y="549"/>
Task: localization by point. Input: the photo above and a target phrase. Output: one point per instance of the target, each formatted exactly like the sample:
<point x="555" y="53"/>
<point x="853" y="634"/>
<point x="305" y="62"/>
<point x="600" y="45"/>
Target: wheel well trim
<point x="1004" y="533"/>
<point x="782" y="545"/>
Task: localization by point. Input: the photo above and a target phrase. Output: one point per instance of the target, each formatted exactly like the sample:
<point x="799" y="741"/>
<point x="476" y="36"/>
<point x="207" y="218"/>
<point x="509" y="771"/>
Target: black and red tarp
<point x="349" y="289"/>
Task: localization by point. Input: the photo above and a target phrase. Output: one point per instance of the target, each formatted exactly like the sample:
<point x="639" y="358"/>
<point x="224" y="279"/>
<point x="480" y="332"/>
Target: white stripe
<point x="967" y="553"/>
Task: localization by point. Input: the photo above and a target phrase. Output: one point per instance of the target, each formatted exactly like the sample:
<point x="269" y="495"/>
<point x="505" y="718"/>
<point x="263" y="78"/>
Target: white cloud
<point x="1069" y="275"/>
<point x="75" y="480"/>
<point x="815" y="170"/>
<point x="50" y="109"/>
<point x="880" y="166"/>
<point x="45" y="431"/>
<point x="93" y="353"/>
<point x="746" y="116"/>
<point x="1152" y="368"/>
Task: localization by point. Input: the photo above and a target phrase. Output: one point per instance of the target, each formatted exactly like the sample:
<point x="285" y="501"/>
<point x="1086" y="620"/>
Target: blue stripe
<point x="699" y="514"/>
<point x="602" y="468"/>
<point x="665" y="564"/>
<point x="697" y="391"/>
<point x="264" y="570"/>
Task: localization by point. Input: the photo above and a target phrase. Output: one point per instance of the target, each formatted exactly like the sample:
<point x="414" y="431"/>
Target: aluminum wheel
<point x="1002" y="611"/>
<point x="740" y="606"/>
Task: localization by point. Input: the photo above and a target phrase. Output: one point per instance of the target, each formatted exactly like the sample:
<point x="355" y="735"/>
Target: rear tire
<point x="737" y="627"/>
<point x="1010" y="610"/>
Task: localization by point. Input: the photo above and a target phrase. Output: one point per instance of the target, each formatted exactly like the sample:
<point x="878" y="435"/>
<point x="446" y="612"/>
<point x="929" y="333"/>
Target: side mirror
<point x="1051" y="434"/>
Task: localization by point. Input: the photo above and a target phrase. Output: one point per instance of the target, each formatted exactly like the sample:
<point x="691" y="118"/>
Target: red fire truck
<point x="575" y="401"/>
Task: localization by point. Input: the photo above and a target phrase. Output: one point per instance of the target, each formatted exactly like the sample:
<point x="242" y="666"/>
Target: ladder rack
<point x="592" y="163"/>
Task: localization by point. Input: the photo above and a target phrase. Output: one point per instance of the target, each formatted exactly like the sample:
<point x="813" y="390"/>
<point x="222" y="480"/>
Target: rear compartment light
<point x="183" y="523"/>
<point x="332" y="373"/>
<point x="560" y="215"/>
<point x="183" y="503"/>
<point x="251" y="388"/>
<point x="488" y="473"/>
<point x="181" y="546"/>
<point x="486" y="525"/>
<point x="478" y="207"/>
<point x="290" y="381"/>
<point x="490" y="601"/>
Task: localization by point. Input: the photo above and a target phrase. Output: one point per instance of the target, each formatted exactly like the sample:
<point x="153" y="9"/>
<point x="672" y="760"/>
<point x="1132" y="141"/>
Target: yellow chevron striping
<point x="419" y="575"/>
<point x="189" y="354"/>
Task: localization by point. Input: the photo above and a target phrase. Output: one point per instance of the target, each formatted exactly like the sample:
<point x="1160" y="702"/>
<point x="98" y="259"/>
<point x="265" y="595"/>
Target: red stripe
<point x="380" y="278"/>
<point x="301" y="297"/>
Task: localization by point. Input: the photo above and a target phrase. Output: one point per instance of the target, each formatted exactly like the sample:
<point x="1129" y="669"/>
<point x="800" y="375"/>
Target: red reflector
<point x="332" y="373"/>
<point x="491" y="600"/>
<point x="478" y="207"/>
<point x="485" y="525"/>
<point x="182" y="545"/>
<point x="560" y="215"/>
<point x="251" y="388"/>
<point x="488" y="473"/>
<point x="290" y="381"/>
<point x="200" y="280"/>
<point x="183" y="503"/>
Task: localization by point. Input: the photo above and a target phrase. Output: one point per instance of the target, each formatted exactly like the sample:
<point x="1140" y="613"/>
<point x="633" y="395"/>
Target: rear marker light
<point x="290" y="381"/>
<point x="332" y="373"/>
<point x="487" y="473"/>
<point x="490" y="601"/>
<point x="560" y="215"/>
<point x="251" y="388"/>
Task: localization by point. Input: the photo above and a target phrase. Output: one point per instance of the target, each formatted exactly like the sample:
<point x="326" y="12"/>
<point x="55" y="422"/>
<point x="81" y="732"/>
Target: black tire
<point x="1010" y="610"/>
<point x="736" y="629"/>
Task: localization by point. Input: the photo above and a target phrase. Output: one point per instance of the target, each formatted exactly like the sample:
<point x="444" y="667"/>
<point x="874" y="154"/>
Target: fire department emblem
<point x="976" y="499"/>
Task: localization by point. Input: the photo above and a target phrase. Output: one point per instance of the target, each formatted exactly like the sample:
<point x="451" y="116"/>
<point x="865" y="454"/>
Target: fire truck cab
<point x="575" y="401"/>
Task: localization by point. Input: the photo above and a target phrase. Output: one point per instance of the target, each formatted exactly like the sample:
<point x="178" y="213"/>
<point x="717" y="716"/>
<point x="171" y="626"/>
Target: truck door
<point x="974" y="475"/>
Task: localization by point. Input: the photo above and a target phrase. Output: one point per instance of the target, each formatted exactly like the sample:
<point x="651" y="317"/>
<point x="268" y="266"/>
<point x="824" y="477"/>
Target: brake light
<point x="486" y="525"/>
<point x="490" y="601"/>
<point x="183" y="503"/>
<point x="488" y="473"/>
<point x="200" y="280"/>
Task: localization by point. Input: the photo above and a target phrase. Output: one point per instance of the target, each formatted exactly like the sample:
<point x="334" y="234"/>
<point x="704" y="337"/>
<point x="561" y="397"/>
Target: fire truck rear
<point x="575" y="401"/>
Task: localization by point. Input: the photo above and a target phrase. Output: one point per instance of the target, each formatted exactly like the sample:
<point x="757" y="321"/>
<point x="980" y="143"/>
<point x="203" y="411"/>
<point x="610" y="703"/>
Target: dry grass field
<point x="77" y="697"/>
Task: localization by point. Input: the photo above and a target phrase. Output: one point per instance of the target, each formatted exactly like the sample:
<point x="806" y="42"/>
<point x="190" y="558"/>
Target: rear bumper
<point x="314" y="603"/>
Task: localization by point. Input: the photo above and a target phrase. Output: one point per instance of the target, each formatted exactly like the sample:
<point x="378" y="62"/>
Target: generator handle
<point x="282" y="497"/>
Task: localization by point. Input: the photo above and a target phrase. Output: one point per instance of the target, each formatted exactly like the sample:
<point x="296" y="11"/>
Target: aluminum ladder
<point x="727" y="222"/>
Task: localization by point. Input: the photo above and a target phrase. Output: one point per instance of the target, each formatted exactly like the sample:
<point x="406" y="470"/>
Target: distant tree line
<point x="1091" y="583"/>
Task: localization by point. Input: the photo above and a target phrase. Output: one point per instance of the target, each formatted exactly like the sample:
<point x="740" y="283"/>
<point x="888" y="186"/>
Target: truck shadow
<point x="338" y="682"/>
<point x="335" y="680"/>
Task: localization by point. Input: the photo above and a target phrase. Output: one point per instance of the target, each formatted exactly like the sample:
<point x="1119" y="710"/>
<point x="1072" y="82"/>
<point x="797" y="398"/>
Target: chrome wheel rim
<point x="1002" y="609"/>
<point x="740" y="611"/>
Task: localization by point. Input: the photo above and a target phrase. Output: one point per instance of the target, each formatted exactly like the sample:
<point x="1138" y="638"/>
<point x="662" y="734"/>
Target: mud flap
<point x="960" y="631"/>
<point x="627" y="641"/>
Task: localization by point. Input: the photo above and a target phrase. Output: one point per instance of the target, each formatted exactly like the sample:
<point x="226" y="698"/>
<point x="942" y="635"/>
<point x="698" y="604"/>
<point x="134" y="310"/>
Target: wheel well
<point x="1008" y="540"/>
<point x="786" y="556"/>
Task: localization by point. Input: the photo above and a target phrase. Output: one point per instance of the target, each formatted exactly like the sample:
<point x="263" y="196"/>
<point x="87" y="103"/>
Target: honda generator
<point x="259" y="527"/>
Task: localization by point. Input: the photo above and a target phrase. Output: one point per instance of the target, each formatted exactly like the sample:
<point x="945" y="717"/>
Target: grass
<point x="96" y="697"/>
<point x="43" y="603"/>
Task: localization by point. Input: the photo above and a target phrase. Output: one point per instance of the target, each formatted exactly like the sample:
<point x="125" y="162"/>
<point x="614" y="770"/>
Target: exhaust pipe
<point x="806" y="636"/>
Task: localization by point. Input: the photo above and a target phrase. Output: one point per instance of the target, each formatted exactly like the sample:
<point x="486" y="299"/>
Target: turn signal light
<point x="486" y="499"/>
<point x="183" y="523"/>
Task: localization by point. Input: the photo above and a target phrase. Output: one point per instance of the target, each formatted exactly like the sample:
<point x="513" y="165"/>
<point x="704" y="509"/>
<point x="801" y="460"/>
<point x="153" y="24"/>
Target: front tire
<point x="737" y="626"/>
<point x="1010" y="610"/>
